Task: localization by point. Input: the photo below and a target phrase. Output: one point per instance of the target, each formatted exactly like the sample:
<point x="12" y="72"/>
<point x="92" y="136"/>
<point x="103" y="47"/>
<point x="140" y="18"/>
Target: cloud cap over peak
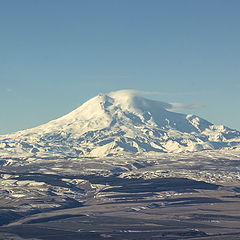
<point x="126" y="93"/>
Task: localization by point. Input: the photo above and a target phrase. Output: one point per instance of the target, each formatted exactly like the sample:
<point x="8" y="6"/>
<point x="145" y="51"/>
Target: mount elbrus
<point x="116" y="124"/>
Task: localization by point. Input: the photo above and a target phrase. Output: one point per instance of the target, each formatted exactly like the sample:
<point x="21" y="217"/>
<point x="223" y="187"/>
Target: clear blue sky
<point x="56" y="54"/>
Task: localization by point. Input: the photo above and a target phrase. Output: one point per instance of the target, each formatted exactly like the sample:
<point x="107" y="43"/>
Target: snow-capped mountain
<point x="120" y="123"/>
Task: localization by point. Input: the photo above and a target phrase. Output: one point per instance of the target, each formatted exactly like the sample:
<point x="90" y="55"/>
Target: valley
<point x="169" y="196"/>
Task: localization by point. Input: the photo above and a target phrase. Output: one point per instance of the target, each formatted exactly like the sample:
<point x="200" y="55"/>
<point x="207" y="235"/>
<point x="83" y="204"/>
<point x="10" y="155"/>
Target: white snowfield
<point x="116" y="124"/>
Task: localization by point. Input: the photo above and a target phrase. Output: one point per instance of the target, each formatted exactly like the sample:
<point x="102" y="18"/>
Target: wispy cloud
<point x="167" y="105"/>
<point x="181" y="106"/>
<point x="183" y="93"/>
<point x="139" y="92"/>
<point x="135" y="92"/>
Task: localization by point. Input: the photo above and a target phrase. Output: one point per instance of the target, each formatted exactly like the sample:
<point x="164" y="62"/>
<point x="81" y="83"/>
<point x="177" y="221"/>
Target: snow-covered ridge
<point x="120" y="123"/>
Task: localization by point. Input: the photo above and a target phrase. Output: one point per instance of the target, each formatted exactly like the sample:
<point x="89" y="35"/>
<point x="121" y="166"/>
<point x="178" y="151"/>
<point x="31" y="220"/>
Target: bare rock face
<point x="119" y="123"/>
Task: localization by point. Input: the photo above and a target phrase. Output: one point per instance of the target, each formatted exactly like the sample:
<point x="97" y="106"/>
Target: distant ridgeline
<point x="119" y="123"/>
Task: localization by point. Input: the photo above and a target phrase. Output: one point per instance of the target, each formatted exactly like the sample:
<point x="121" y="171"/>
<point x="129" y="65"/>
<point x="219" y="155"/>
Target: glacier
<point x="120" y="123"/>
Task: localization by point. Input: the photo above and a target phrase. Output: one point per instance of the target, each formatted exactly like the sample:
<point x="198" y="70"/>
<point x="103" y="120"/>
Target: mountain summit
<point x="120" y="123"/>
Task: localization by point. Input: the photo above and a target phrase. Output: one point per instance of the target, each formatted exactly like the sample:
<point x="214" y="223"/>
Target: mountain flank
<point x="120" y="123"/>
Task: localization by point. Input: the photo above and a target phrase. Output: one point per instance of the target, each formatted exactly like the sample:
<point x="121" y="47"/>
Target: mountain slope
<point x="120" y="123"/>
